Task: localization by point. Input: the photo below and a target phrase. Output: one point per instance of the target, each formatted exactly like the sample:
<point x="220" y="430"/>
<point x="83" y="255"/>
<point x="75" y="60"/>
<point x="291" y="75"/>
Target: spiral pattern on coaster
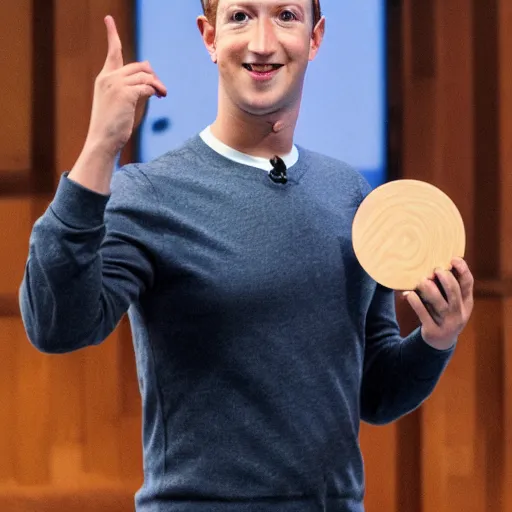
<point x="405" y="229"/>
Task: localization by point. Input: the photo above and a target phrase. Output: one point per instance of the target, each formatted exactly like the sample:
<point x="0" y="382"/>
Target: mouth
<point x="262" y="68"/>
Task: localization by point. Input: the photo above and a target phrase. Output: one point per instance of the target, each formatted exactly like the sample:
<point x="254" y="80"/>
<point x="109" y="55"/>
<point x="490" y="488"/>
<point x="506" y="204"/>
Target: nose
<point x="263" y="38"/>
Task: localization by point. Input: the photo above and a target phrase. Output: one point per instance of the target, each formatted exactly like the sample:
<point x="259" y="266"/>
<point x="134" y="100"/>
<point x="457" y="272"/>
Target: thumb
<point x="115" y="50"/>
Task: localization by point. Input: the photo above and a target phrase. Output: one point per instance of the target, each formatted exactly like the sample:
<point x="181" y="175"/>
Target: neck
<point x="263" y="136"/>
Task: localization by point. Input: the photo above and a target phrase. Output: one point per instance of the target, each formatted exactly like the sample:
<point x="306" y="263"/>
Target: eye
<point x="287" y="16"/>
<point x="239" y="17"/>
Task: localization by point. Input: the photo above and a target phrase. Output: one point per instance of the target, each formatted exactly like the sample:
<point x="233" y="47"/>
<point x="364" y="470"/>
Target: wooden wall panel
<point x="71" y="440"/>
<point x="15" y="100"/>
<point x="80" y="50"/>
<point x="504" y="191"/>
<point x="104" y="378"/>
<point x="507" y="403"/>
<point x="444" y="447"/>
<point x="505" y="134"/>
<point x="9" y="329"/>
<point x="24" y="424"/>
<point x="489" y="319"/>
<point x="75" y="80"/>
<point x="486" y="152"/>
<point x="437" y="148"/>
<point x="456" y="135"/>
<point x="379" y="447"/>
<point x="32" y="418"/>
<point x="72" y="96"/>
<point x="80" y="498"/>
<point x="15" y="226"/>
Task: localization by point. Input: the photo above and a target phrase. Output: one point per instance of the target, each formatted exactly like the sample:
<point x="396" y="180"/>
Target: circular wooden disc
<point x="404" y="230"/>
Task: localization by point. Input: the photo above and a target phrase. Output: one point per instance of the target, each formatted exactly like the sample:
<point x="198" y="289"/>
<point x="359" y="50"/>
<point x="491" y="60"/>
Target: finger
<point x="115" y="50"/>
<point x="432" y="299"/>
<point x="136" y="67"/>
<point x="464" y="277"/>
<point x="145" y="90"/>
<point x="429" y="291"/>
<point x="450" y="285"/>
<point x="419" y="308"/>
<point x="147" y="79"/>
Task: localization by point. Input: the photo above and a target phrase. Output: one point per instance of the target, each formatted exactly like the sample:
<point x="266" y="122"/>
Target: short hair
<point x="210" y="10"/>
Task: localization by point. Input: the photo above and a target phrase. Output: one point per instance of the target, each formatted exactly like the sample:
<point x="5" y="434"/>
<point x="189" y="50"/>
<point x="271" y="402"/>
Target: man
<point x="260" y="341"/>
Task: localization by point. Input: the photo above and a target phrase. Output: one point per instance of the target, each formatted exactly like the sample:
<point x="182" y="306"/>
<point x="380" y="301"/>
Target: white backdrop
<point x="343" y="112"/>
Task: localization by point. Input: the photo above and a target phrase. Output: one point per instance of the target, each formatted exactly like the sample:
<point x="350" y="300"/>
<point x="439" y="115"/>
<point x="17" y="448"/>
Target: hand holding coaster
<point x="404" y="230"/>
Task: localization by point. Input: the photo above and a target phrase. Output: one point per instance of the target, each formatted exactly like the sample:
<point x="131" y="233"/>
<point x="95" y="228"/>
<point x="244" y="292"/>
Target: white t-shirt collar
<point x="237" y="156"/>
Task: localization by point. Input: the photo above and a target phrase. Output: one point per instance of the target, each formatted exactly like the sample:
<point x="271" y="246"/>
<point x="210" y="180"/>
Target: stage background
<point x="70" y="425"/>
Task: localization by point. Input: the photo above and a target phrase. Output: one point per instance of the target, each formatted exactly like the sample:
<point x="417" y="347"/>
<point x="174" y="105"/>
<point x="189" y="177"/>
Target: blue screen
<point x="343" y="112"/>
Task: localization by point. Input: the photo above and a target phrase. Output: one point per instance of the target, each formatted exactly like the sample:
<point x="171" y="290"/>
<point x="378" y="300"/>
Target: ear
<point x="316" y="38"/>
<point x="208" y="34"/>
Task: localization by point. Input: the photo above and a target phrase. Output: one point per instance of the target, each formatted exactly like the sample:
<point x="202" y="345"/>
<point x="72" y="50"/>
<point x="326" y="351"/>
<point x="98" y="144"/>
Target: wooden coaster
<point x="404" y="230"/>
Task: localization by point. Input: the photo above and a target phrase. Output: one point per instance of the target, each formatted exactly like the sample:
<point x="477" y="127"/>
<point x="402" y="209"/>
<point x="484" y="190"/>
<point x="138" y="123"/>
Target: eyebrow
<point x="253" y="3"/>
<point x="244" y="3"/>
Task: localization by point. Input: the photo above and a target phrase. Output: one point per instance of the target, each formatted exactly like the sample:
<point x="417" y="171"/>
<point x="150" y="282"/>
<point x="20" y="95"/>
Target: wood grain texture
<point x="72" y="438"/>
<point x="103" y="383"/>
<point x="15" y="104"/>
<point x="486" y="152"/>
<point x="465" y="424"/>
<point x="32" y="417"/>
<point x="404" y="230"/>
<point x="379" y="447"/>
<point x="78" y="498"/>
<point x="9" y="340"/>
<point x="43" y="96"/>
<point x="503" y="177"/>
<point x="72" y="96"/>
<point x="15" y="226"/>
<point x="507" y="404"/>
<point x="505" y="235"/>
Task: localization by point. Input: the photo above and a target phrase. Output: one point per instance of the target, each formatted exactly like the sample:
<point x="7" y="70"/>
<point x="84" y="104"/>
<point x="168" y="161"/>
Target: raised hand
<point x="443" y="316"/>
<point x="120" y="94"/>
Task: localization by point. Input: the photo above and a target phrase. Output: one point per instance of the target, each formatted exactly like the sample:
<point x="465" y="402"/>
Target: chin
<point x="261" y="111"/>
<point x="264" y="107"/>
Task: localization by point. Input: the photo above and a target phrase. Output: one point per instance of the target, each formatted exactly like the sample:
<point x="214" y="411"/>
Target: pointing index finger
<point x="115" y="50"/>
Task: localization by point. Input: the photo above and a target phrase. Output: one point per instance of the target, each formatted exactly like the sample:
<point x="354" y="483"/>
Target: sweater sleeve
<point x="398" y="373"/>
<point x="86" y="263"/>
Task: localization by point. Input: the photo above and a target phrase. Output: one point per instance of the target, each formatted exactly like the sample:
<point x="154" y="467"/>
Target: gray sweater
<point x="260" y="342"/>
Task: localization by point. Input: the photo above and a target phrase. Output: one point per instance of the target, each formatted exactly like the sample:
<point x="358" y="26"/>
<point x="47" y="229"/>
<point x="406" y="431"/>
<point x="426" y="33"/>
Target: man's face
<point x="262" y="48"/>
